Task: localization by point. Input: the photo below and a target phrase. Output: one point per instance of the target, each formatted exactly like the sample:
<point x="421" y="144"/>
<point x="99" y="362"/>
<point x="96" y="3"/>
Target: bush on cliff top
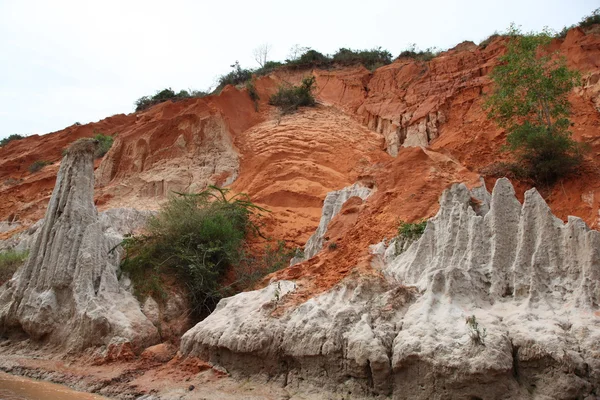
<point x="421" y="55"/>
<point x="15" y="136"/>
<point x="237" y="76"/>
<point x="586" y="22"/>
<point x="161" y="96"/>
<point x="371" y="59"/>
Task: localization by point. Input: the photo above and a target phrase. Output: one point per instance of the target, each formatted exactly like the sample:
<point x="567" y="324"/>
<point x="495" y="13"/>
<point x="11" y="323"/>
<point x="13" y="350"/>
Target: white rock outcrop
<point x="501" y="303"/>
<point x="334" y="201"/>
<point x="115" y="222"/>
<point x="67" y="294"/>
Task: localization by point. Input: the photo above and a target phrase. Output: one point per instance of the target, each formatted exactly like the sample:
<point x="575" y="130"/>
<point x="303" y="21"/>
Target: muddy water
<point x="18" y="388"/>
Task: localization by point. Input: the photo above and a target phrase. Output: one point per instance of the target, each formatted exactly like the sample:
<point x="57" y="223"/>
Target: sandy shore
<point x="150" y="379"/>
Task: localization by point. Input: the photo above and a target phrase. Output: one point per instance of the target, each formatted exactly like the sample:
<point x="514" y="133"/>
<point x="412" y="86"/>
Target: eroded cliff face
<point x="67" y="294"/>
<point x="188" y="144"/>
<point x="495" y="302"/>
<point x="392" y="322"/>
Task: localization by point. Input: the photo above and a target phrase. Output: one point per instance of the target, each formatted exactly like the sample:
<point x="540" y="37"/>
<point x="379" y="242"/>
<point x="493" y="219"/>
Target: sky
<point x="67" y="61"/>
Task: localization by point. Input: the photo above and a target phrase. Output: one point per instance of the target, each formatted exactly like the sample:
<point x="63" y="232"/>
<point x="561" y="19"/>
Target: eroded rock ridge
<point x="497" y="300"/>
<point x="67" y="294"/>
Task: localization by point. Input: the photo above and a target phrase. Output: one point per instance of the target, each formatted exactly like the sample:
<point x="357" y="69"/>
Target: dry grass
<point x="83" y="145"/>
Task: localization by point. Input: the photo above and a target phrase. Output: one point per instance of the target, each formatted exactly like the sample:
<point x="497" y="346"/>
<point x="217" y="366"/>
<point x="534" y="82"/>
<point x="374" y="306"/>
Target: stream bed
<point x="19" y="388"/>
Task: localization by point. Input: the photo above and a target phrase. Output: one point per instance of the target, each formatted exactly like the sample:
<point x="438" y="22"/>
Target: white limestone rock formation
<point x="334" y="201"/>
<point x="115" y="221"/>
<point x="67" y="294"/>
<point x="501" y="305"/>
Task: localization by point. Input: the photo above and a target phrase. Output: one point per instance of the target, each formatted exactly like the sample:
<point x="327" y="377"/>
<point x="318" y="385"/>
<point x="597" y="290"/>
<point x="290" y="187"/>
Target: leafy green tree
<point x="530" y="101"/>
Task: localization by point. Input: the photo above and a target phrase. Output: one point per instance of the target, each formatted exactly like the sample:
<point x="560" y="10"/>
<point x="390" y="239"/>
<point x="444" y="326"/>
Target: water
<point x="19" y="388"/>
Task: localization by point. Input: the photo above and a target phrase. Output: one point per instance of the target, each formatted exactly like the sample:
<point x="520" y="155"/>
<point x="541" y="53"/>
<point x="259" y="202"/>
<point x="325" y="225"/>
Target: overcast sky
<point x="64" y="61"/>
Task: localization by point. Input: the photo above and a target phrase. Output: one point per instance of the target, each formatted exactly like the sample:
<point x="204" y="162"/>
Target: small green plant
<point x="477" y="334"/>
<point x="38" y="165"/>
<point x="6" y="140"/>
<point x="309" y="58"/>
<point x="269" y="67"/>
<point x="104" y="144"/>
<point x="289" y="98"/>
<point x="332" y="246"/>
<point x="411" y="231"/>
<point x="251" y="89"/>
<point x="10" y="261"/>
<point x="197" y="237"/>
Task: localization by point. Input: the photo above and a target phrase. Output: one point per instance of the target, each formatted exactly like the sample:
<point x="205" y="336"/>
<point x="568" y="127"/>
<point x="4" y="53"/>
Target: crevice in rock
<point x="515" y="361"/>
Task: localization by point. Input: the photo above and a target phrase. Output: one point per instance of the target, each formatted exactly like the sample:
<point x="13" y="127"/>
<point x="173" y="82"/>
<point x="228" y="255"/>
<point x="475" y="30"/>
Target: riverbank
<point x="14" y="387"/>
<point x="177" y="378"/>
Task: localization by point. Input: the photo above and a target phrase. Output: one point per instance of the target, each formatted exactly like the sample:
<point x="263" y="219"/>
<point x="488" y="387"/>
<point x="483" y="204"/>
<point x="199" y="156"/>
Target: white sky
<point x="64" y="61"/>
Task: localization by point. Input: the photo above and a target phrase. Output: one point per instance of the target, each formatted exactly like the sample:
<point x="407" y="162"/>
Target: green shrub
<point x="289" y="98"/>
<point x="105" y="143"/>
<point x="251" y="89"/>
<point x="563" y="32"/>
<point x="269" y="67"/>
<point x="371" y="59"/>
<point x="38" y="165"/>
<point x="196" y="236"/>
<point x="592" y="19"/>
<point x="161" y="96"/>
<point x="310" y="58"/>
<point x="15" y="136"/>
<point x="238" y="76"/>
<point x="198" y="93"/>
<point x="411" y="231"/>
<point x="530" y="100"/>
<point x="10" y="261"/>
<point x="420" y="55"/>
